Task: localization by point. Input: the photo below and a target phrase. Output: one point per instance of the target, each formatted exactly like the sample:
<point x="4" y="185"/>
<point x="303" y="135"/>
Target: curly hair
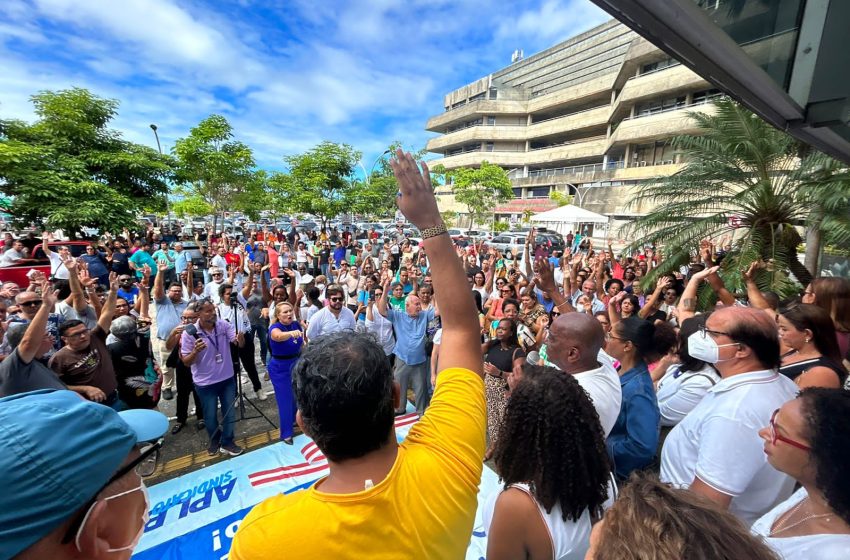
<point x="829" y="439"/>
<point x="551" y="438"/>
<point x="651" y="520"/>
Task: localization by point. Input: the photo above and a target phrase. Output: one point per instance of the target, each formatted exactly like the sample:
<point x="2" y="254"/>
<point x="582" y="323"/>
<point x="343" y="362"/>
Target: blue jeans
<point x="210" y="395"/>
<point x="261" y="334"/>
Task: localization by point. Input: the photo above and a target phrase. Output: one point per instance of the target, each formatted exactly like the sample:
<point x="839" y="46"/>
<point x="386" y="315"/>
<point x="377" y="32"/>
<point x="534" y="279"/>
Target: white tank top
<point x="570" y="539"/>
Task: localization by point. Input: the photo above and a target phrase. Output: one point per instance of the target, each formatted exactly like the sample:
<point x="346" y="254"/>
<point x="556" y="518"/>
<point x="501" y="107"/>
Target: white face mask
<point x="580" y="307"/>
<point x="145" y="518"/>
<point x="705" y="348"/>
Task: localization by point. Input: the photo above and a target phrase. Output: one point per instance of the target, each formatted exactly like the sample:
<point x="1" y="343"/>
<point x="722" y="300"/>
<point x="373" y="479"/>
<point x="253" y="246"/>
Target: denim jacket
<point x="633" y="441"/>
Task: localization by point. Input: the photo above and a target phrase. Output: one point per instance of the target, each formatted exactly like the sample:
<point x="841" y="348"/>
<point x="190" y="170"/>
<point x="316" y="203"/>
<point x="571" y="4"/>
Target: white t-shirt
<point x="57" y="267"/>
<point x="810" y="547"/>
<point x="678" y="393"/>
<point x="211" y="291"/>
<point x="324" y="322"/>
<point x="225" y="313"/>
<point x="603" y="386"/>
<point x="220" y="262"/>
<point x="382" y="328"/>
<point x="718" y="442"/>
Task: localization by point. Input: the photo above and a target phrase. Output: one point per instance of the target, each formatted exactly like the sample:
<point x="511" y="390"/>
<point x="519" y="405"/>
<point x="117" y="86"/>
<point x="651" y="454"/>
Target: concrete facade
<point x="591" y="116"/>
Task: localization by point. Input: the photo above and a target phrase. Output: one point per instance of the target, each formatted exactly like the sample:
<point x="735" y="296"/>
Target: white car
<point x="510" y="244"/>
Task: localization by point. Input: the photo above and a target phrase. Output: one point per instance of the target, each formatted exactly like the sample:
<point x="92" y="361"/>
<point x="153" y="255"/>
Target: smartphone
<point x="372" y="294"/>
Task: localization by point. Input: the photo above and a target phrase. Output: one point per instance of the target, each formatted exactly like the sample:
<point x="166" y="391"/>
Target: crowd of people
<point x="622" y="422"/>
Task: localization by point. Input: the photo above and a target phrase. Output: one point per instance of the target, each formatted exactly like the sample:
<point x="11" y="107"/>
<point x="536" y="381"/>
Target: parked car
<point x="510" y="244"/>
<point x="553" y="239"/>
<point x="194" y="250"/>
<point x="39" y="262"/>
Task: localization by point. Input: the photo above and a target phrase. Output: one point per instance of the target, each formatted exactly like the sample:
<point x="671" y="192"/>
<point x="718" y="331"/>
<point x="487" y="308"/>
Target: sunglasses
<point x="337" y="299"/>
<point x="774" y="437"/>
<point x="31" y="303"/>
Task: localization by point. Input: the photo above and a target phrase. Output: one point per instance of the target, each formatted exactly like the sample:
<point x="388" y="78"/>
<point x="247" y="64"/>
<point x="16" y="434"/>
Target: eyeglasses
<point x="144" y="465"/>
<point x="774" y="437"/>
<point x="703" y="331"/>
<point x="31" y="303"/>
<point x="336" y="299"/>
<point x="609" y="336"/>
<point x="74" y="336"/>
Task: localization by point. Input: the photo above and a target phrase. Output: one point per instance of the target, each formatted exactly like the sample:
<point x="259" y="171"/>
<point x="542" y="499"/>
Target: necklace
<point x="782" y="527"/>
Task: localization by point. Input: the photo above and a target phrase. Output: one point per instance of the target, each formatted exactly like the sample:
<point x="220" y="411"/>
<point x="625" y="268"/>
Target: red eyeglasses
<point x="775" y="436"/>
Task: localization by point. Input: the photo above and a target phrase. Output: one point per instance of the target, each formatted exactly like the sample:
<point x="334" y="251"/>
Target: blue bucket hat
<point x="57" y="450"/>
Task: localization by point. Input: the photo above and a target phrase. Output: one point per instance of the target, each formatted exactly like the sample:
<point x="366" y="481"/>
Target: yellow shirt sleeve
<point x="455" y="423"/>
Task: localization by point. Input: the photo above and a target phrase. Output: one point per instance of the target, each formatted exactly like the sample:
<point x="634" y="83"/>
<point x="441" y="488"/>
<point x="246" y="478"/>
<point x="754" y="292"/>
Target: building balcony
<point x="659" y="126"/>
<point x="573" y="174"/>
<point x="584" y="148"/>
<point x="439" y="123"/>
<point x="656" y="84"/>
<point x="575" y="121"/>
<point x="573" y="94"/>
<point x="482" y="133"/>
<point x="474" y="159"/>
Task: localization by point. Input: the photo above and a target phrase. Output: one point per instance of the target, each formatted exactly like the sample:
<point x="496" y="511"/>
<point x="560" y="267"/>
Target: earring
<point x="807" y="340"/>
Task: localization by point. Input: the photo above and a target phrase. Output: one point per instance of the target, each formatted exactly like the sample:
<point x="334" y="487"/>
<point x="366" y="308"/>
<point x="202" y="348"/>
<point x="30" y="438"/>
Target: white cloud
<point x="552" y="21"/>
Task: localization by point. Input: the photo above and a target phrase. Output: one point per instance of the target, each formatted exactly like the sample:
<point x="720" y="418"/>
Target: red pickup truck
<point x="39" y="261"/>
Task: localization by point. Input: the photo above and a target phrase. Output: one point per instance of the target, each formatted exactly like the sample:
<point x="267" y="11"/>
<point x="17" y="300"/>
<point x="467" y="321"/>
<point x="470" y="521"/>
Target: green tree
<point x="378" y="195"/>
<point x="69" y="170"/>
<point x="320" y="182"/>
<point x="501" y="226"/>
<point x="561" y="199"/>
<point x="747" y="180"/>
<point x="217" y="169"/>
<point x="480" y="189"/>
<point x="191" y="206"/>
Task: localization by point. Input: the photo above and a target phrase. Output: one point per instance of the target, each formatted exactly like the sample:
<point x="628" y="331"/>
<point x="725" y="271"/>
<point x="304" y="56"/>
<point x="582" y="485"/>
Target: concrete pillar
<point x="627" y="157"/>
<point x="525" y="171"/>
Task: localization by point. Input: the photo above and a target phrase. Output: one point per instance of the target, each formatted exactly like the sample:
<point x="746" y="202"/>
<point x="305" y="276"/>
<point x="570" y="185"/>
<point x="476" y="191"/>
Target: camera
<point x="233" y="299"/>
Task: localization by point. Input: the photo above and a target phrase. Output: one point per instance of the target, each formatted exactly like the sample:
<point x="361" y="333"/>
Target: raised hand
<point x="113" y="281"/>
<point x="146" y="272"/>
<point x="162" y="266"/>
<point x="705" y="273"/>
<point x="545" y="276"/>
<point x="416" y="195"/>
<point x="750" y="273"/>
<point x="70" y="263"/>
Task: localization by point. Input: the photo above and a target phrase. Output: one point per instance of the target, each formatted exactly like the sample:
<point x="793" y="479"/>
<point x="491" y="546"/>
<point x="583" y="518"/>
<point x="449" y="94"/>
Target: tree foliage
<point x="216" y="168"/>
<point x="191" y="206"/>
<point x="748" y="180"/>
<point x="320" y="182"/>
<point x="480" y="189"/>
<point x="560" y="198"/>
<point x="69" y="170"/>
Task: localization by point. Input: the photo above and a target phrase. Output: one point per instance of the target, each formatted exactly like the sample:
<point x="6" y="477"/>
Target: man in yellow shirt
<point x="382" y="499"/>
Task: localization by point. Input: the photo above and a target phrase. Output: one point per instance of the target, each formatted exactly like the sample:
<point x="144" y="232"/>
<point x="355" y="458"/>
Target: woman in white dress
<point x="551" y="456"/>
<point x="809" y="439"/>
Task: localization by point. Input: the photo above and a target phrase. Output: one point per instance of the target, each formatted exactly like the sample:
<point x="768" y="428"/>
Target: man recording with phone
<point x="205" y="348"/>
<point x="233" y="310"/>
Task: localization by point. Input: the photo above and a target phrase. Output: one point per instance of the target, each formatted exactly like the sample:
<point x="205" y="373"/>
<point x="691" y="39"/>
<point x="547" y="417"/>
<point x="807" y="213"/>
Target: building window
<point x="658" y="65"/>
<point x="493" y="92"/>
<point x="491" y="121"/>
<point x="489" y="147"/>
<point x="477" y="97"/>
<point x="517" y="192"/>
<point x="539" y="192"/>
<point x="706" y="96"/>
<point x="660" y="106"/>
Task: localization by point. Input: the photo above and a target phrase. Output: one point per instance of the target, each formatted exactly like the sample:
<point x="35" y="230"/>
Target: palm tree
<point x="746" y="179"/>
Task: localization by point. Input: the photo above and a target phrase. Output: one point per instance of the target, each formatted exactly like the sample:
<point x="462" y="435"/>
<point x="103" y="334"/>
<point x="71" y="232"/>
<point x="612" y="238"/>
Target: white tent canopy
<point x="568" y="218"/>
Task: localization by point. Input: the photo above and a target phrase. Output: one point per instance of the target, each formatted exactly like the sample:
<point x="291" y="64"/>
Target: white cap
<point x="306" y="279"/>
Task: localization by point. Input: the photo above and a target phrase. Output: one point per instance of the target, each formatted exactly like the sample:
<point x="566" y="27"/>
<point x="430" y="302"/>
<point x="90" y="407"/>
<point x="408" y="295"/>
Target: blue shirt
<point x="339" y="255"/>
<point x="168" y="316"/>
<point x="362" y="297"/>
<point x="410" y="334"/>
<point x="633" y="441"/>
<point x="181" y="260"/>
<point x="288" y="347"/>
<point x="130" y="295"/>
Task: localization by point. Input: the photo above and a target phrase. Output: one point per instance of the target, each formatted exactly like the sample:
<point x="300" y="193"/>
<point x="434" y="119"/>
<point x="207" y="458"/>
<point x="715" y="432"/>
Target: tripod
<point x="241" y="397"/>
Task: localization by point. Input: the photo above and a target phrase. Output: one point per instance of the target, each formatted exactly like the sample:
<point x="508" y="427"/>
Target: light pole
<point x="159" y="147"/>
<point x="368" y="175"/>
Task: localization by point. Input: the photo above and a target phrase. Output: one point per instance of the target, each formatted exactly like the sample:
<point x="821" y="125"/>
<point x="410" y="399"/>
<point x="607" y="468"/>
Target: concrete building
<point x="591" y="117"/>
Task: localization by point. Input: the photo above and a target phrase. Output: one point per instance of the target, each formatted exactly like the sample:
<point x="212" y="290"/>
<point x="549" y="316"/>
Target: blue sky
<point x="287" y="75"/>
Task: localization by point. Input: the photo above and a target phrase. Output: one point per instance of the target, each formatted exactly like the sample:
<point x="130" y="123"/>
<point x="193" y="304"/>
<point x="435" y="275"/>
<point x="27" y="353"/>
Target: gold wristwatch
<point x="434" y="231"/>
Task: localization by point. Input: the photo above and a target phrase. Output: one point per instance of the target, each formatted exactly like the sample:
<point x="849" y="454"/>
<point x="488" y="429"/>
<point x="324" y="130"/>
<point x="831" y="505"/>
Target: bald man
<point x="716" y="449"/>
<point x="575" y="346"/>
